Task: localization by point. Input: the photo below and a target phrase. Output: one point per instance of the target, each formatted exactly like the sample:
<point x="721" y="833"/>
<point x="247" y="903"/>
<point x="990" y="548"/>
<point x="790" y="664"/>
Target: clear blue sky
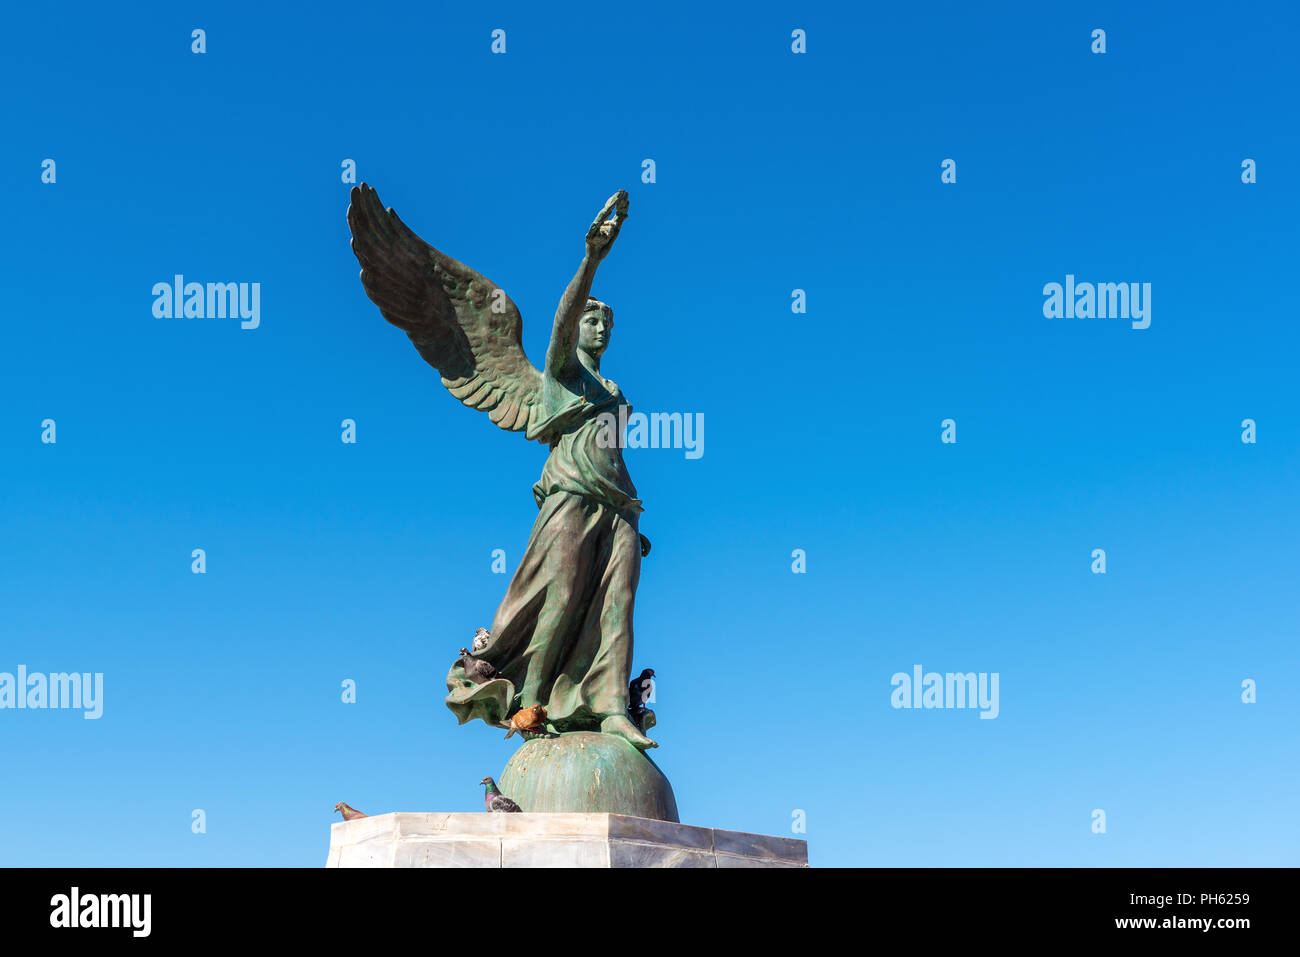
<point x="775" y="171"/>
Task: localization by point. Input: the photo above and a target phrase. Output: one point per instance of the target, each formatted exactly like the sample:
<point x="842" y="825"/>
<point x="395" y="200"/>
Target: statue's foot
<point x="621" y="726"/>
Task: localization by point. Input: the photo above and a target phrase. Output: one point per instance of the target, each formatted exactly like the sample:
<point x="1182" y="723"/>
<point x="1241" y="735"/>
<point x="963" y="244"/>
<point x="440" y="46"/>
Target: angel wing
<point x="447" y="310"/>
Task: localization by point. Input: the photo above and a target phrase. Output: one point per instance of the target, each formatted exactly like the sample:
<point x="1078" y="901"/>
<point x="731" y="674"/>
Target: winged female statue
<point x="562" y="636"/>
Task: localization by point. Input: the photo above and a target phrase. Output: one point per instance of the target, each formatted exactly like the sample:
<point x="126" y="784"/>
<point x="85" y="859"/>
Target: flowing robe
<point x="562" y="636"/>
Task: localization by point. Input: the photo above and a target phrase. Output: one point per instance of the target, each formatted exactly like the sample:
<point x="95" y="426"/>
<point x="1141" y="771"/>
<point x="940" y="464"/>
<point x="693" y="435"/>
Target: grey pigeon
<point x="495" y="801"/>
<point x="476" y="669"/>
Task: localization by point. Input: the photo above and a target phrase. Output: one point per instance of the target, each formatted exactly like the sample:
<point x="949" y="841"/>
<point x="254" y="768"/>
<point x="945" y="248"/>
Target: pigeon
<point x="531" y="720"/>
<point x="495" y="801"/>
<point x="349" y="813"/>
<point x="476" y="669"/>
<point x="639" y="690"/>
<point x="481" y="639"/>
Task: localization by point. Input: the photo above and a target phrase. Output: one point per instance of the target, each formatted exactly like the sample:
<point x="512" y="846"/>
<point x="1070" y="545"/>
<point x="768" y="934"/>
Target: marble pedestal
<point x="550" y="840"/>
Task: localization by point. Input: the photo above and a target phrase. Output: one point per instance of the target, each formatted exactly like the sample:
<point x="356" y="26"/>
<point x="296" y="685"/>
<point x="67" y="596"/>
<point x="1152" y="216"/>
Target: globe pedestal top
<point x="588" y="772"/>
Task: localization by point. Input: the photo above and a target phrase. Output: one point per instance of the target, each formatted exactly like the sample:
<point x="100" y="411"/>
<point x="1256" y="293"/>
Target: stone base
<point x="550" y="840"/>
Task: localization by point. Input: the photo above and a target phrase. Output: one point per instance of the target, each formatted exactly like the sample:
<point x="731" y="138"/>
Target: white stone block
<point x="549" y="840"/>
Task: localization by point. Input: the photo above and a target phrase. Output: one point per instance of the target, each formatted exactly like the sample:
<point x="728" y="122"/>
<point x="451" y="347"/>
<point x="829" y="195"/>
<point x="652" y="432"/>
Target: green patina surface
<point x="562" y="635"/>
<point x="587" y="771"/>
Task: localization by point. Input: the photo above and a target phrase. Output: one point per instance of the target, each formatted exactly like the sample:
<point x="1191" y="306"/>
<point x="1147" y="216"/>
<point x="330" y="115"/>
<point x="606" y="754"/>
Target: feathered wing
<point x="447" y="310"/>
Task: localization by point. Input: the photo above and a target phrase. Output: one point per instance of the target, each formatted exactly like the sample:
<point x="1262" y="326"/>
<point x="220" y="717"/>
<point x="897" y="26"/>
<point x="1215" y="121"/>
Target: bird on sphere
<point x="530" y="720"/>
<point x="639" y="690"/>
<point x="496" y="802"/>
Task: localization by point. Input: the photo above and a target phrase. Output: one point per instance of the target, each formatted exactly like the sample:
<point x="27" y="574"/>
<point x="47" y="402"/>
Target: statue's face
<point x="594" y="331"/>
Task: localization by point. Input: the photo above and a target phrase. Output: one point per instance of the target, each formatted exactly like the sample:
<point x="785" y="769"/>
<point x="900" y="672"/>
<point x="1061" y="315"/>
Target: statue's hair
<point x="593" y="304"/>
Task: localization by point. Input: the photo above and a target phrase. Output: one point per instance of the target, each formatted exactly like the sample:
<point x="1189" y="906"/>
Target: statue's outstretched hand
<point x="603" y="231"/>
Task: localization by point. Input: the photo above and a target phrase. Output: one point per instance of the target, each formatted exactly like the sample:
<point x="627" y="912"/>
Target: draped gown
<point x="562" y="636"/>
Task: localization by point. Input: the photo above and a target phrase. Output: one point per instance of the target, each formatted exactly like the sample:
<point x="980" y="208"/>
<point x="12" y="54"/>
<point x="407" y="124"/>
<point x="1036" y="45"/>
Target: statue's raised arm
<point x="600" y="239"/>
<point x="464" y="325"/>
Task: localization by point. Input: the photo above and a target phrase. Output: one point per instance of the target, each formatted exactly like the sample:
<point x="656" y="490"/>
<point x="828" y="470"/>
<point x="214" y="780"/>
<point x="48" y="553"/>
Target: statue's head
<point x="595" y="328"/>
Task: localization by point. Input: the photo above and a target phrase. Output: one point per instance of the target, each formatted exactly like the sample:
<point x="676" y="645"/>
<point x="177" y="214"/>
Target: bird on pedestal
<point x="349" y="813"/>
<point x="496" y="802"/>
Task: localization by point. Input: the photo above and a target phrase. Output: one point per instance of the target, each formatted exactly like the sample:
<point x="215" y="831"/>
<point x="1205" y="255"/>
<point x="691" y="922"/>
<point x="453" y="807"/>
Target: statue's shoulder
<point x="558" y="393"/>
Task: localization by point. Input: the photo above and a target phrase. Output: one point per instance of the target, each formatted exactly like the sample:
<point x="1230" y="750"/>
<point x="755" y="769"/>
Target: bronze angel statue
<point x="562" y="636"/>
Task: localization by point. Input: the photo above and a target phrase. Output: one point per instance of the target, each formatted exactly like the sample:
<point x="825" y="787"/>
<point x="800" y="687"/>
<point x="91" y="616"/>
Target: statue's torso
<point x="584" y="429"/>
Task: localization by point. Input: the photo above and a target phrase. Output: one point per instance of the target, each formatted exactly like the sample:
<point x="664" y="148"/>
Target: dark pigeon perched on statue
<point x="637" y="692"/>
<point x="495" y="801"/>
<point x="476" y="669"/>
